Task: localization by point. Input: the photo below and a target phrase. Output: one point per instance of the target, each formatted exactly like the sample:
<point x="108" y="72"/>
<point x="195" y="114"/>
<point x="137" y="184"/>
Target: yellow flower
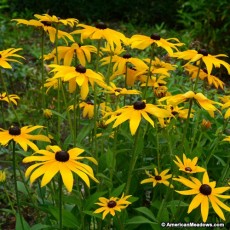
<point x="10" y="98"/>
<point x="206" y="124"/>
<point x="161" y="91"/>
<point x="112" y="204"/>
<point x="9" y="55"/>
<point x="22" y="136"/>
<point x="112" y="89"/>
<point x="51" y="82"/>
<point x="142" y="42"/>
<point x="202" y="54"/>
<point x="121" y="62"/>
<point x="47" y="113"/>
<point x="212" y="80"/>
<point x="82" y="52"/>
<point x="205" y="192"/>
<point x="135" y="112"/>
<point x="2" y="175"/>
<point x="203" y="101"/>
<point x="46" y="26"/>
<point x="100" y="31"/>
<point x="77" y="75"/>
<point x="226" y="101"/>
<point x="157" y="63"/>
<point x="88" y="109"/>
<point x="54" y="160"/>
<point x="188" y="165"/>
<point x="161" y="178"/>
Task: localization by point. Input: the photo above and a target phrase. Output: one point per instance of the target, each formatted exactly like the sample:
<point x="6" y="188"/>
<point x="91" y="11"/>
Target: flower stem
<point x="60" y="201"/>
<point x="16" y="186"/>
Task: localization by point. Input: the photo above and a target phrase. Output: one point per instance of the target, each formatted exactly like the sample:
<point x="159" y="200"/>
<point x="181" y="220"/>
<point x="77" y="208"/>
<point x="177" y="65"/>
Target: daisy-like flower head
<point x="188" y="165"/>
<point x="11" y="98"/>
<point x="2" y="175"/>
<point x="77" y="75"/>
<point x="142" y="42"/>
<point x="120" y="62"/>
<point x="47" y="27"/>
<point x="112" y="89"/>
<point x="100" y="31"/>
<point x="135" y="112"/>
<point x="203" y="74"/>
<point x="9" y="55"/>
<point x="22" y="136"/>
<point x="82" y="52"/>
<point x="54" y="160"/>
<point x="47" y="113"/>
<point x="112" y="204"/>
<point x="158" y="178"/>
<point x="205" y="192"/>
<point x="202" y="54"/>
<point x="203" y="101"/>
<point x="88" y="109"/>
<point x="161" y="91"/>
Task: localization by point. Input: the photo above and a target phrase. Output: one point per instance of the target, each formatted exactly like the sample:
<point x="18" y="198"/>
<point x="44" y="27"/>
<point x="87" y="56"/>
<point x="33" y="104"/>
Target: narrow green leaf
<point x="19" y="224"/>
<point x="146" y="212"/>
<point x="117" y="192"/>
<point x="139" y="220"/>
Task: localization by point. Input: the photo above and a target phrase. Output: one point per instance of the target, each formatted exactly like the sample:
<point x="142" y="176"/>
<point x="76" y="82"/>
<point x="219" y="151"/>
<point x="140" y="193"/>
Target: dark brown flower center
<point x="139" y="105"/>
<point x="205" y="189"/>
<point x="155" y="37"/>
<point x="14" y="130"/>
<point x="111" y="204"/>
<point x="188" y="169"/>
<point x="62" y="156"/>
<point x="118" y="90"/>
<point x="158" y="178"/>
<point x="0" y="56"/>
<point x="101" y="25"/>
<point x="45" y="23"/>
<point x="80" y="68"/>
<point x="127" y="56"/>
<point x="203" y="52"/>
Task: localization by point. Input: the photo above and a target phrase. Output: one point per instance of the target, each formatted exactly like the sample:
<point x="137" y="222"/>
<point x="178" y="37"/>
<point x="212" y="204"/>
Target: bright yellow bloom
<point x="142" y="42"/>
<point x="9" y="55"/>
<point x="88" y="109"/>
<point x="82" y="52"/>
<point x="135" y="112"/>
<point x="157" y="63"/>
<point x="77" y="75"/>
<point x="100" y="31"/>
<point x="51" y="82"/>
<point x="2" y="175"/>
<point x="203" y="101"/>
<point x="112" y="204"/>
<point x="46" y="26"/>
<point x="10" y="98"/>
<point x="202" y="54"/>
<point x="205" y="192"/>
<point x="158" y="178"/>
<point x="112" y="51"/>
<point x="22" y="136"/>
<point x="161" y="91"/>
<point x="112" y="89"/>
<point x="212" y="80"/>
<point x="121" y="62"/>
<point x="226" y="101"/>
<point x="47" y="113"/>
<point x="54" y="160"/>
<point x="188" y="165"/>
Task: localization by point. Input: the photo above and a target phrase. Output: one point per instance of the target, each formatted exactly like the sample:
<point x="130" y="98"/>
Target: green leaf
<point x="59" y="114"/>
<point x="116" y="192"/>
<point x="84" y="132"/>
<point x="19" y="224"/>
<point x="139" y="220"/>
<point x="110" y="159"/>
<point x="91" y="213"/>
<point x="22" y="188"/>
<point x="40" y="226"/>
<point x="90" y="202"/>
<point x="146" y="212"/>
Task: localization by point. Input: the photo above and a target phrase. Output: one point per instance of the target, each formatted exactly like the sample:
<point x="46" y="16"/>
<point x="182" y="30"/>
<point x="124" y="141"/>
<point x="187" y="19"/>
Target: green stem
<point x="197" y="76"/>
<point x="133" y="161"/>
<point x="16" y="186"/>
<point x="60" y="183"/>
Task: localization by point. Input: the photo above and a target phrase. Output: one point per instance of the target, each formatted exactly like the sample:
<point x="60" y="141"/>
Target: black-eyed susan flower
<point x="205" y="192"/>
<point x="158" y="178"/>
<point x="135" y="113"/>
<point x="142" y="42"/>
<point x="202" y="54"/>
<point x="88" y="109"/>
<point x="22" y="136"/>
<point x="157" y="63"/>
<point x="47" y="27"/>
<point x="203" y="101"/>
<point x="9" y="55"/>
<point x="188" y="165"/>
<point x="100" y="31"/>
<point x="112" y="204"/>
<point x="82" y="52"/>
<point x="47" y="113"/>
<point x="54" y="160"/>
<point x="77" y="75"/>
<point x="121" y="62"/>
<point x="10" y="98"/>
<point x="211" y="79"/>
<point x="117" y="91"/>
